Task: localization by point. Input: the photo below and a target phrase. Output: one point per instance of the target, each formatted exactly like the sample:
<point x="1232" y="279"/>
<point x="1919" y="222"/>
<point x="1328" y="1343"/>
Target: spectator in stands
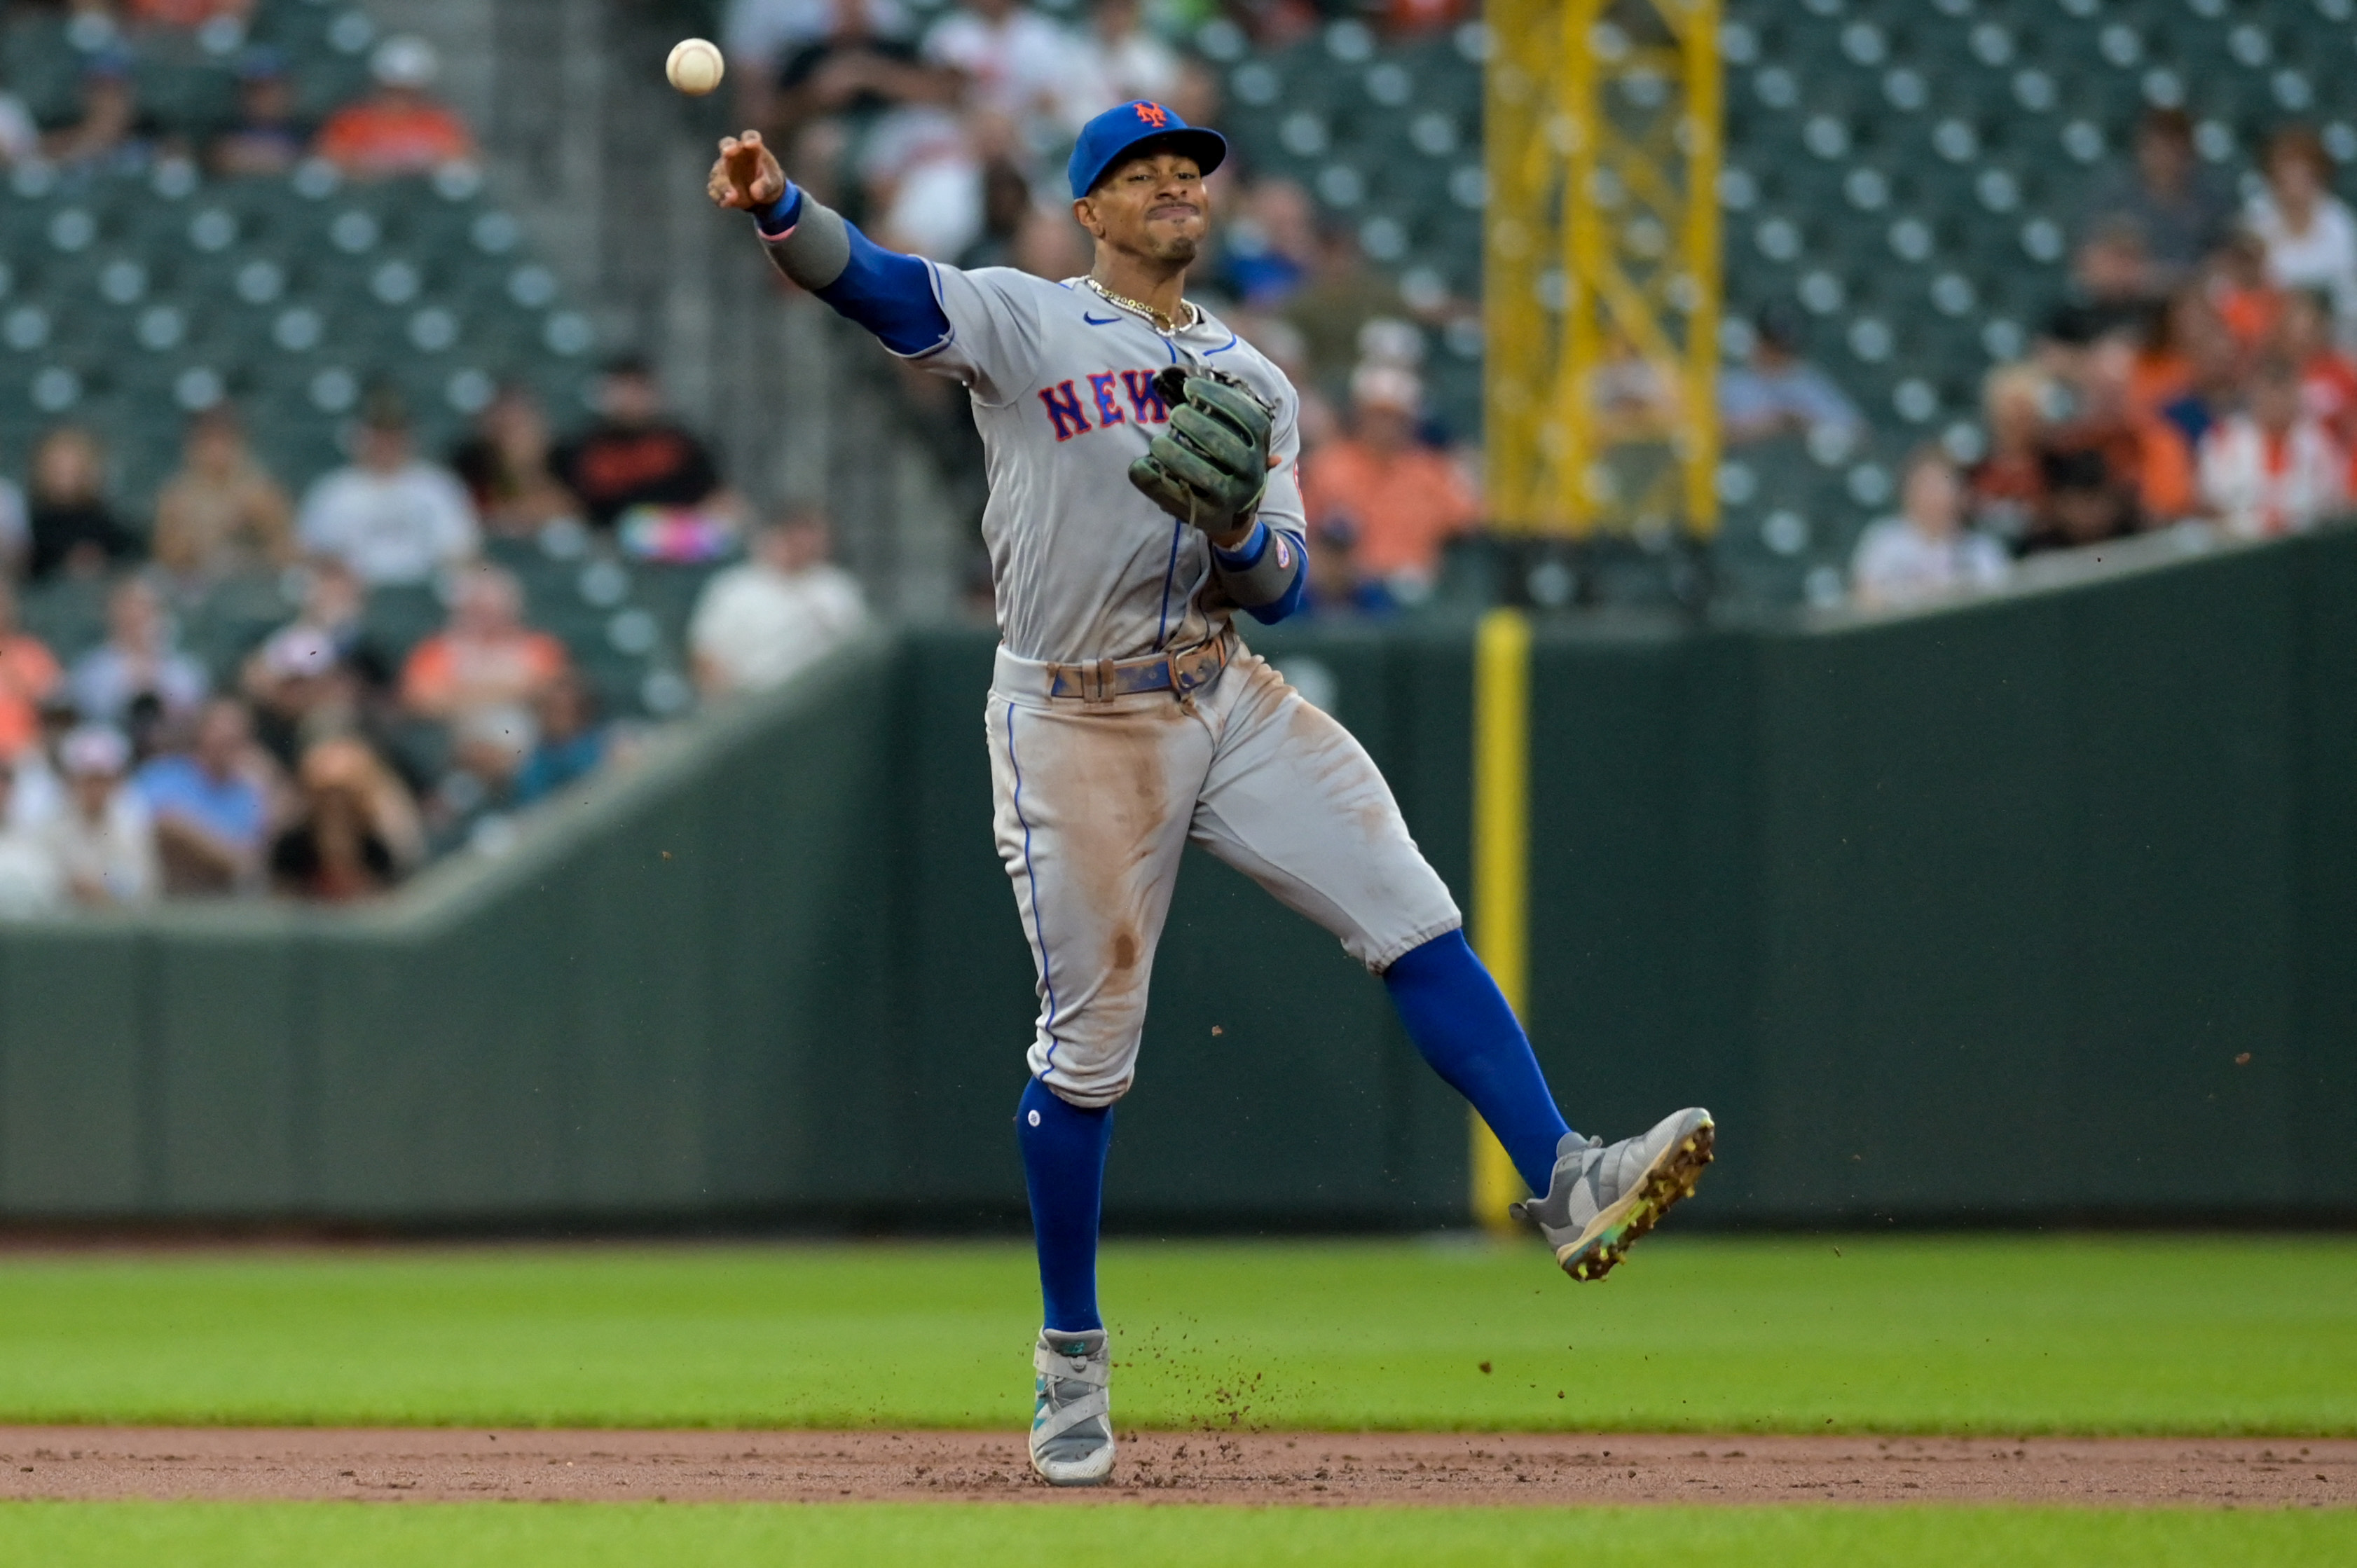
<point x="2086" y="501"/>
<point x="482" y="674"/>
<point x="1926" y="552"/>
<point x="757" y="625"/>
<point x="31" y="882"/>
<point x="1333" y="306"/>
<point x="922" y="171"/>
<point x="398" y="129"/>
<point x="2164" y="364"/>
<point x="1119" y="59"/>
<point x="2328" y="381"/>
<point x="2180" y="211"/>
<point x="137" y="678"/>
<point x="210" y="806"/>
<point x="2240" y="291"/>
<point x="301" y="692"/>
<point x="2275" y="468"/>
<point x="2143" y="456"/>
<point x="20" y="137"/>
<point x="321" y="673"/>
<point x="2309" y="236"/>
<point x="390" y="516"/>
<point x="73" y="530"/>
<point x="508" y="467"/>
<point x="1006" y="205"/>
<point x="40" y="792"/>
<point x="221" y="514"/>
<point x="267" y="138"/>
<point x="1015" y="64"/>
<point x="573" y="743"/>
<point x="860" y="65"/>
<point x="1050" y="245"/>
<point x="112" y="131"/>
<point x="1402" y="499"/>
<point x="2215" y="364"/>
<point x="355" y="831"/>
<point x="1269" y="248"/>
<point x="2110" y="287"/>
<point x="2006" y="490"/>
<point x="104" y="841"/>
<point x="28" y="678"/>
<point x="766" y="42"/>
<point x="1776" y="392"/>
<point x="635" y="454"/>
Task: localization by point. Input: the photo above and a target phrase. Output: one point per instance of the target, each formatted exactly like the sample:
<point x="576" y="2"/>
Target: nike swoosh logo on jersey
<point x="1108" y="321"/>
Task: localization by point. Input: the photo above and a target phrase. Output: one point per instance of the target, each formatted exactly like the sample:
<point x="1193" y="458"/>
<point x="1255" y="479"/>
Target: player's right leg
<point x="1093" y="803"/>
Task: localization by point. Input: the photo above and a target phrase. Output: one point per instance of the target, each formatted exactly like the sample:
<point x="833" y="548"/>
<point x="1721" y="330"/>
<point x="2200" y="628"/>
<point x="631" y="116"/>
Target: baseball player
<point x="1141" y="492"/>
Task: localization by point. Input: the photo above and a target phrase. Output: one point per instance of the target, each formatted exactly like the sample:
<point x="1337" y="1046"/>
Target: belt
<point x="1190" y="670"/>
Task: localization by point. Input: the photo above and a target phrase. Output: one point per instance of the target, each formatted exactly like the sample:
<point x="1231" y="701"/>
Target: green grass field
<point x="2158" y="1334"/>
<point x="595" y="1535"/>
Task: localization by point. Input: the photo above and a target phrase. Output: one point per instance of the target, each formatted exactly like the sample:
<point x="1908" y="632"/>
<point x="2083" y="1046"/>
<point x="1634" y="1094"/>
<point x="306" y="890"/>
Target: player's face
<point x="1154" y="206"/>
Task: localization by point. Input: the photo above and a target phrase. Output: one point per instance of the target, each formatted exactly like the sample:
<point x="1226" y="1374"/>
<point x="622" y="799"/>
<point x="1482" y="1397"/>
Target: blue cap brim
<point x="1206" y="147"/>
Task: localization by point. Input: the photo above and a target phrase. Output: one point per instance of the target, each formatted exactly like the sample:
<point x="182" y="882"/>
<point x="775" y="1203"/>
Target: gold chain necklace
<point x="1162" y="322"/>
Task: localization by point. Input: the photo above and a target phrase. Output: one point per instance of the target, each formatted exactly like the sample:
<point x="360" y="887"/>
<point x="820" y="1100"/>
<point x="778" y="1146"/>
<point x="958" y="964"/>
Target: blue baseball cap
<point x="1107" y="139"/>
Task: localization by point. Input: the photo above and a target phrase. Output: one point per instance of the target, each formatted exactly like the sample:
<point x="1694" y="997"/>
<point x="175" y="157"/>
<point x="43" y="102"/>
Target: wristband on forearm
<point x="807" y="239"/>
<point x="1261" y="569"/>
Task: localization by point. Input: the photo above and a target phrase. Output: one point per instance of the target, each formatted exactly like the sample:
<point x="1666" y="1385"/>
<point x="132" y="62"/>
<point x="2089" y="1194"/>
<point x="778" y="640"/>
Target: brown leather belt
<point x="1189" y="670"/>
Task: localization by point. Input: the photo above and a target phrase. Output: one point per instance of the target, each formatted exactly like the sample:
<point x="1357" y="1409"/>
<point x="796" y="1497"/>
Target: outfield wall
<point x="1959" y="915"/>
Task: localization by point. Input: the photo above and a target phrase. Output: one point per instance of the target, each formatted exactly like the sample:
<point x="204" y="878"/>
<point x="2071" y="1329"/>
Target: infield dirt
<point x="406" y="1464"/>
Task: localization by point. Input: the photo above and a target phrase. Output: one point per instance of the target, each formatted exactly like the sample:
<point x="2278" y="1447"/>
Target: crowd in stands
<point x="319" y="762"/>
<point x="328" y="768"/>
<point x="398" y="127"/>
<point x="2200" y="372"/>
<point x="945" y="134"/>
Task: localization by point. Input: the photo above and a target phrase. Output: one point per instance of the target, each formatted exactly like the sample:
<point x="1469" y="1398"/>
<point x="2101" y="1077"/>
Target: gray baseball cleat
<point x="1072" y="1425"/>
<point x="1600" y="1200"/>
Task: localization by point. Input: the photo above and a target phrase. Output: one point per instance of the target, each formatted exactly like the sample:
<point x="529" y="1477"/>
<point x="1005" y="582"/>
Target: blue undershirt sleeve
<point x="888" y="292"/>
<point x="891" y="294"/>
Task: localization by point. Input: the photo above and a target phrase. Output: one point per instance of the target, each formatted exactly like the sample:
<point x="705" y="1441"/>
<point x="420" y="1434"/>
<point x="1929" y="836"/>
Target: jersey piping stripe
<point x="1039" y="921"/>
<point x="1170" y="574"/>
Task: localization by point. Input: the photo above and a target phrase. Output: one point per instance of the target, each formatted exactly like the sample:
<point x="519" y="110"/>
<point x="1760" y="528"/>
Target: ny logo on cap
<point x="1154" y="114"/>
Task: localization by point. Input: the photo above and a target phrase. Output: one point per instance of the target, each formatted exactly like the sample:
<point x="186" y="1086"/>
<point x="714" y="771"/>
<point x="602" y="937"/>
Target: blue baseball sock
<point x="1063" y="1164"/>
<point x="1459" y="1019"/>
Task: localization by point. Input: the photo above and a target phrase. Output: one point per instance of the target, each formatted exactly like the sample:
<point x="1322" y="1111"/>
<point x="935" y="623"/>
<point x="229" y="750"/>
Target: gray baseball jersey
<point x="1085" y="567"/>
<point x="1095" y="799"/>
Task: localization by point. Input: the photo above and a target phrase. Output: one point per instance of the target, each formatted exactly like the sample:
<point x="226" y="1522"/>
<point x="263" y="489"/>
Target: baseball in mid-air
<point x="695" y="66"/>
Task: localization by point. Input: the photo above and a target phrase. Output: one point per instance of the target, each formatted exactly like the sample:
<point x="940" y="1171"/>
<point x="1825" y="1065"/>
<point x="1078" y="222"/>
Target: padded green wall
<point x="1965" y="915"/>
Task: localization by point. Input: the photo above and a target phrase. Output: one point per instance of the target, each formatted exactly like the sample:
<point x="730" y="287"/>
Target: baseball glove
<point x="1209" y="466"/>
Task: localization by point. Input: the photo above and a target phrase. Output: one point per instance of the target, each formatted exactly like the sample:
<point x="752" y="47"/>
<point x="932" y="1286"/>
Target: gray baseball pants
<point x="1095" y="802"/>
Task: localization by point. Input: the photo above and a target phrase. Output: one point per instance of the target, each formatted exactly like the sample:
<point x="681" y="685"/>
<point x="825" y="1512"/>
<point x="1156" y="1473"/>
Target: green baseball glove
<point x="1209" y="466"/>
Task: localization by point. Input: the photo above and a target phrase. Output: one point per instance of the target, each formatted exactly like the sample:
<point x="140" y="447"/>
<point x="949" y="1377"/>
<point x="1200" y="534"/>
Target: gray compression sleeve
<point x="1263" y="570"/>
<point x="814" y="251"/>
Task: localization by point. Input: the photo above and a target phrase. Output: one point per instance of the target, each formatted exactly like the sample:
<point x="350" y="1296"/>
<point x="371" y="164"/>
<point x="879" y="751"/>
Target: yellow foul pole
<point x="1502" y="767"/>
